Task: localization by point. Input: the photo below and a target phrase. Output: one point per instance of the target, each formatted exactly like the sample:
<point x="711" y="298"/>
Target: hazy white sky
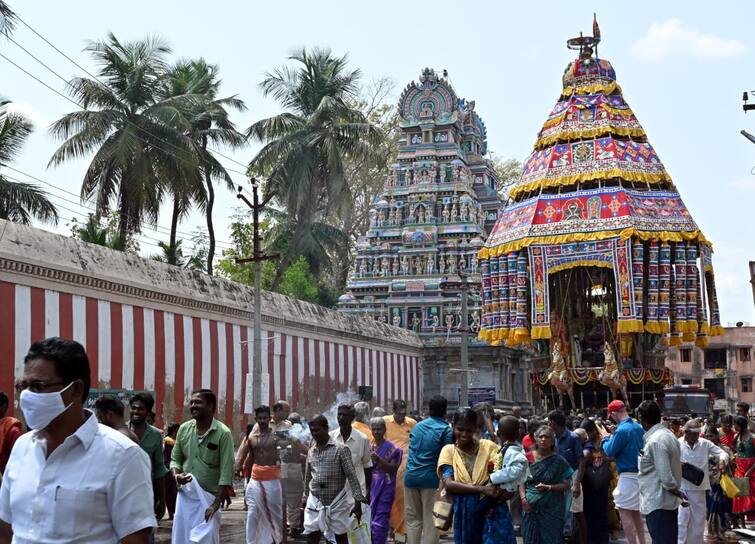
<point x="682" y="66"/>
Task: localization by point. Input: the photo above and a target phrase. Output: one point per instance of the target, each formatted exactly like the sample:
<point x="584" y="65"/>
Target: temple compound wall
<point x="150" y="326"/>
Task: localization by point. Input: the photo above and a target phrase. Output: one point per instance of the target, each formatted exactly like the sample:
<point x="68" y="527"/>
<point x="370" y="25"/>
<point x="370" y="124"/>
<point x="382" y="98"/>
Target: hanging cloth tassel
<point x="522" y="331"/>
<point x="664" y="288"/>
<point x="692" y="293"/>
<point x="680" y="288"/>
<point x="512" y="266"/>
<point x="502" y="332"/>
<point x="638" y="277"/>
<point x="487" y="318"/>
<point x="653" y="325"/>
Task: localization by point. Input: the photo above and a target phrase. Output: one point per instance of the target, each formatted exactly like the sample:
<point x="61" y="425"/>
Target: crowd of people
<point x="485" y="476"/>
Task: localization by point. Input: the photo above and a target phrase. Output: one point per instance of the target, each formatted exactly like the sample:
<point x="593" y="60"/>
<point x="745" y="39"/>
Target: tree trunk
<point x="287" y="259"/>
<point x="173" y="253"/>
<point x="210" y="204"/>
<point x="123" y="224"/>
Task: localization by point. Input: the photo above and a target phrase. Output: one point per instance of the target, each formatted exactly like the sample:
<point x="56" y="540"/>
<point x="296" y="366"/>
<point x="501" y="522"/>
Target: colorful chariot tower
<point x="595" y="262"/>
<point x="437" y="207"/>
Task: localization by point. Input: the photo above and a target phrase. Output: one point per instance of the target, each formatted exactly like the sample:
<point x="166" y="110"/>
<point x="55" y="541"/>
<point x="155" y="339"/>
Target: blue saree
<point x="545" y="523"/>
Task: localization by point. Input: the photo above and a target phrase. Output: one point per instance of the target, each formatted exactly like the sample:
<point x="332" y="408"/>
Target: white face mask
<point x="41" y="408"/>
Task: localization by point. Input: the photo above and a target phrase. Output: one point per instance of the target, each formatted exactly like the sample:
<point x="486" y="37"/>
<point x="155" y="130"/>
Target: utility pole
<point x="257" y="257"/>
<point x="462" y="286"/>
<point x="464" y="328"/>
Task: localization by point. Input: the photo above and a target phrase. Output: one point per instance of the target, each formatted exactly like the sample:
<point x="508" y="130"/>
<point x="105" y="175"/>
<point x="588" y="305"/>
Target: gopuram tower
<point x="438" y="205"/>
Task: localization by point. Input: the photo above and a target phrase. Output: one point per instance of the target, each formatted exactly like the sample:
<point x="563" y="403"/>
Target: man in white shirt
<point x="660" y="476"/>
<point x="71" y="480"/>
<point x="696" y="451"/>
<point x="361" y="453"/>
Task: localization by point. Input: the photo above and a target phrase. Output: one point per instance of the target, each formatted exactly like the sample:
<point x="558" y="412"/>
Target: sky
<point x="682" y="66"/>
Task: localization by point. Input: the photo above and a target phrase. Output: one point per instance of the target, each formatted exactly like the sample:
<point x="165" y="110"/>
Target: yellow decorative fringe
<point x="658" y="236"/>
<point x="564" y="181"/>
<point x="702" y="341"/>
<point x="704" y="328"/>
<point x="689" y="336"/>
<point x="674" y="340"/>
<point x="629" y="326"/>
<point x="574" y="264"/>
<point x="593" y="88"/>
<point x="540" y="332"/>
<point x="653" y="327"/>
<point x="568" y="135"/>
<point x="716" y="330"/>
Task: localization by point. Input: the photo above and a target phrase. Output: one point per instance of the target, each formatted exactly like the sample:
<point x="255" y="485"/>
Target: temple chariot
<point x="595" y="266"/>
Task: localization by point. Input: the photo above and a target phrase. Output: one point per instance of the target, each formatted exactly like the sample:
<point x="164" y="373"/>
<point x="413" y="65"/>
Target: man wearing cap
<point x="696" y="451"/>
<point x="624" y="446"/>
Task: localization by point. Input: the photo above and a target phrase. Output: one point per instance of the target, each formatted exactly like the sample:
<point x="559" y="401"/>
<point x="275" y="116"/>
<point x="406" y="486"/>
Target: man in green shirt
<point x="151" y="441"/>
<point x="203" y="453"/>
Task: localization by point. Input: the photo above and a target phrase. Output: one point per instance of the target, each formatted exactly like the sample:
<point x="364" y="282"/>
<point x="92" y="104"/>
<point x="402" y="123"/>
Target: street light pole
<point x="464" y="329"/>
<point x="256" y="258"/>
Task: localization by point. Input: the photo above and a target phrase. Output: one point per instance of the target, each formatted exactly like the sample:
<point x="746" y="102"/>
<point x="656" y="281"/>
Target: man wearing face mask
<point x="71" y="480"/>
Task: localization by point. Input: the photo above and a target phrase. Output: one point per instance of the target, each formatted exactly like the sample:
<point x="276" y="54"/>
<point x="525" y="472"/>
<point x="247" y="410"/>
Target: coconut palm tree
<point x="7" y="18"/>
<point x="136" y="137"/>
<point x="19" y="202"/>
<point x="306" y="145"/>
<point x="208" y="124"/>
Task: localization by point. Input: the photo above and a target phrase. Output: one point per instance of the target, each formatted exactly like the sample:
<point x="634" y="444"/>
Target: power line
<point x="72" y="61"/>
<point x="156" y="228"/>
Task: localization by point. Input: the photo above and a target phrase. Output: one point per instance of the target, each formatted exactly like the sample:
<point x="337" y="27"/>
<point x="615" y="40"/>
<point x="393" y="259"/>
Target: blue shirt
<point x="425" y="442"/>
<point x="624" y="445"/>
<point x="570" y="448"/>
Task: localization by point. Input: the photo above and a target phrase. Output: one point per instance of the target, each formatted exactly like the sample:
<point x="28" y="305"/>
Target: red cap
<point x="616" y="406"/>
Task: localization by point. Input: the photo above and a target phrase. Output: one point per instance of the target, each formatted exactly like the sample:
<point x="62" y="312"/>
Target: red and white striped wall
<point x="139" y="348"/>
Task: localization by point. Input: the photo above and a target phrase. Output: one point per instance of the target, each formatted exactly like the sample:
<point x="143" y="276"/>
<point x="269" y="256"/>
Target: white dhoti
<point x="692" y="519"/>
<point x="264" y="518"/>
<point x="627" y="493"/>
<point x="189" y="526"/>
<point x="333" y="517"/>
<point x="330" y="536"/>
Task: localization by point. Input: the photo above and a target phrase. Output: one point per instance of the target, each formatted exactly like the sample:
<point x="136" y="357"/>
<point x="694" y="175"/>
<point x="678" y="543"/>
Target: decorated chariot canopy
<point x="596" y="242"/>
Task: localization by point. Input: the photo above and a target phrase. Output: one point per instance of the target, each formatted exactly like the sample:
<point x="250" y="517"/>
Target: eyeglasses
<point x="36" y="386"/>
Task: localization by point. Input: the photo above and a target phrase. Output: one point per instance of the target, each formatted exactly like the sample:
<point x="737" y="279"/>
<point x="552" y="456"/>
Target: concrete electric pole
<point x="256" y="258"/>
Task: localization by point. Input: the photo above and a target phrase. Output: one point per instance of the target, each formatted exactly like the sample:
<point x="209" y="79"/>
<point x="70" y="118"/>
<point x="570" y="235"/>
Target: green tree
<point x="208" y="124"/>
<point x="137" y="139"/>
<point x="508" y="171"/>
<point x="306" y="146"/>
<point x="19" y="202"/>
<point x="94" y="231"/>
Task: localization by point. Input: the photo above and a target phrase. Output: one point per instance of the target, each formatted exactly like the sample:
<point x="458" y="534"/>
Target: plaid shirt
<point x="327" y="470"/>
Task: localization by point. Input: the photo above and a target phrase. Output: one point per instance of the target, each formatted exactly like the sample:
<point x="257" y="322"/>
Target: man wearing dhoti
<point x="264" y="495"/>
<point x="326" y="503"/>
<point x="202" y="456"/>
<point x="398" y="427"/>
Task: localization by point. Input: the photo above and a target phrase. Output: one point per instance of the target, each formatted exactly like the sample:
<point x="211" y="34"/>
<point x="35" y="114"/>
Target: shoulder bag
<point x="443" y="507"/>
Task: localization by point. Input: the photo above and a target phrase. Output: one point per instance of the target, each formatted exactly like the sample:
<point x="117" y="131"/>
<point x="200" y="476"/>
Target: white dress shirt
<point x="697" y="456"/>
<point x="361" y="452"/>
<point x="95" y="488"/>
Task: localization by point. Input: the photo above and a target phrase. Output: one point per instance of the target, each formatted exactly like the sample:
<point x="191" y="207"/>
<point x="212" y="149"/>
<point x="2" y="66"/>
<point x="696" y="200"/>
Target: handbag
<point x="360" y="534"/>
<point x="597" y="477"/>
<point x="730" y="488"/>
<point x="743" y="485"/>
<point x="692" y="474"/>
<point x="443" y="507"/>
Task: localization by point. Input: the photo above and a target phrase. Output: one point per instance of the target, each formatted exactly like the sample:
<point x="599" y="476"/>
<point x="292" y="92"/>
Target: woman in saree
<point x="544" y="494"/>
<point x="386" y="458"/>
<point x="744" y="450"/>
<point x="480" y="513"/>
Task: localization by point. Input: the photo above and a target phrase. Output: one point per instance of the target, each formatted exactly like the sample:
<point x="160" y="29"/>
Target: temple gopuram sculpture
<point x="597" y="235"/>
<point x="438" y="205"/>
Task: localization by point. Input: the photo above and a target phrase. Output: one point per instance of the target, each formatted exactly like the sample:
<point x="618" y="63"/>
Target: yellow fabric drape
<point x="479" y="476"/>
<point x="591" y="88"/>
<point x="568" y="135"/>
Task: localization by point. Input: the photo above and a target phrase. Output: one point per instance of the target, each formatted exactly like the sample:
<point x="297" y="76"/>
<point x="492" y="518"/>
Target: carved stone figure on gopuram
<point x="596" y="266"/>
<point x="438" y="205"/>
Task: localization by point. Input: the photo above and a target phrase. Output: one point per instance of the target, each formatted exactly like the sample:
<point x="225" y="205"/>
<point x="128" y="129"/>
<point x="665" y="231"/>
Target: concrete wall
<point x="150" y="326"/>
<point x="739" y="345"/>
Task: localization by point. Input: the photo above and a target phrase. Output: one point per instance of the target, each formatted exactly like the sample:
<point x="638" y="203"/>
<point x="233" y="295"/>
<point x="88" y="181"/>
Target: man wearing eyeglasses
<point x="71" y="480"/>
